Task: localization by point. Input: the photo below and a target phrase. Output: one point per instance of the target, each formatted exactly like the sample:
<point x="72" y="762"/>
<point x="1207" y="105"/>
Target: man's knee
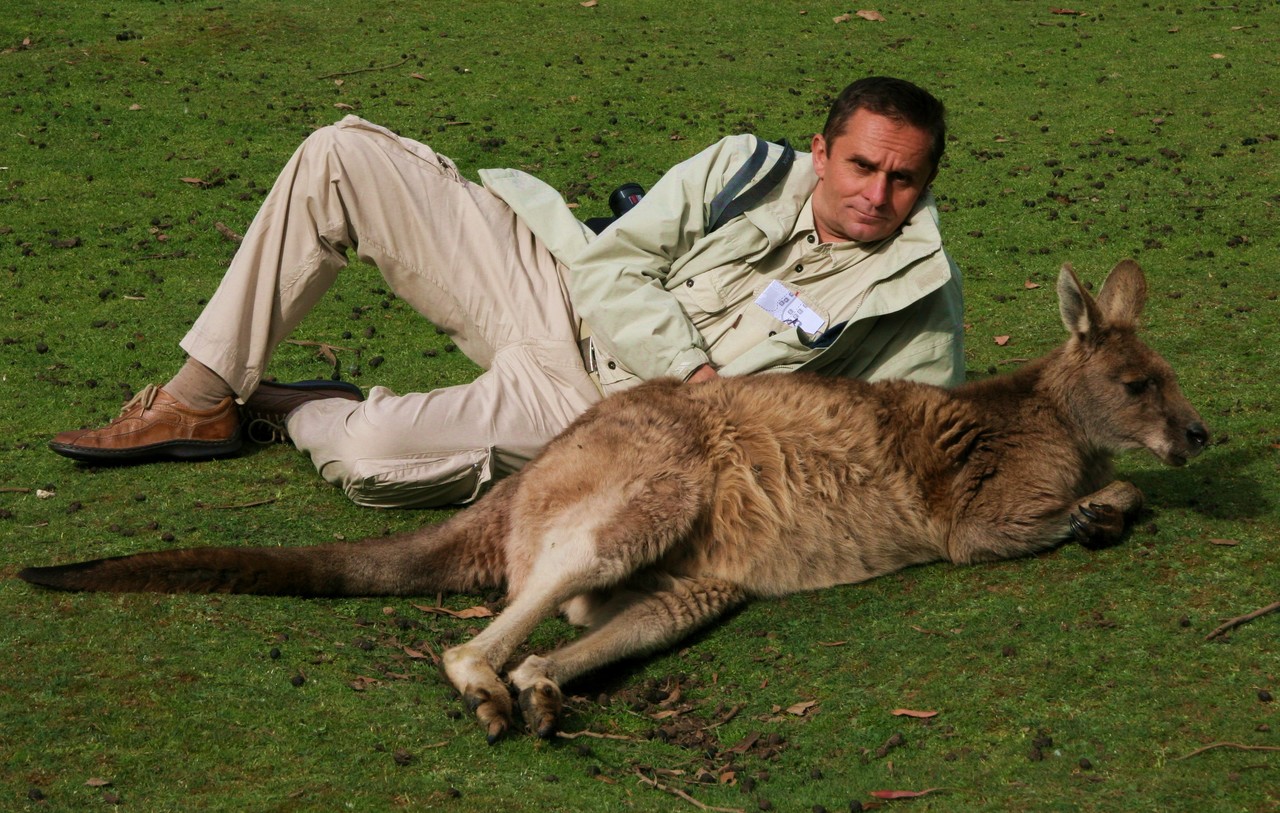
<point x="338" y="137"/>
<point x="359" y="139"/>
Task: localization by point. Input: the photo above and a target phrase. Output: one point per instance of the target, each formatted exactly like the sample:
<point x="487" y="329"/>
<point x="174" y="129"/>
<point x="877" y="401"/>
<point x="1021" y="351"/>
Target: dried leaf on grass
<point x="802" y="708"/>
<point x="902" y="794"/>
<point x="744" y="745"/>
<point x="419" y="655"/>
<point x="869" y="15"/>
<point x="470" y="612"/>
<point x="919" y="715"/>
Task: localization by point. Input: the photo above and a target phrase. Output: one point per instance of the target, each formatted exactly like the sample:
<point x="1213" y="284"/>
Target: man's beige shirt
<point x="662" y="296"/>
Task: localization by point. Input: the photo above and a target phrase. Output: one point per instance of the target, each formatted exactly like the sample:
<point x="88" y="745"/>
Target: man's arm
<point x="618" y="284"/>
<point x="704" y="373"/>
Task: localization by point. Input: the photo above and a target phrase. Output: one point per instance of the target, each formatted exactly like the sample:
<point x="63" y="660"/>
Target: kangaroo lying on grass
<point x="665" y="505"/>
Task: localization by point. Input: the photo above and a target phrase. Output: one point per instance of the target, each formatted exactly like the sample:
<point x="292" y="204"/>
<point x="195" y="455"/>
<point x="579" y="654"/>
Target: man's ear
<point x="818" y="147"/>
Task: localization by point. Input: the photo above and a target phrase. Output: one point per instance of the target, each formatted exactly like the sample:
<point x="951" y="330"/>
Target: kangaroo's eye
<point x="1137" y="387"/>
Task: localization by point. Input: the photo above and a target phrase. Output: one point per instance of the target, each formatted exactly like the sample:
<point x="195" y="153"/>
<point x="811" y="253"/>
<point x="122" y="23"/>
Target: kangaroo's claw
<point x="492" y="709"/>
<point x="1096" y="525"/>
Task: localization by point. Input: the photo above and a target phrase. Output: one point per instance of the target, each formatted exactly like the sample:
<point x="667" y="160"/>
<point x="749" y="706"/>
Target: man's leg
<point x="448" y="247"/>
<point x="459" y="256"/>
<point x="445" y="447"/>
<point x="445" y="245"/>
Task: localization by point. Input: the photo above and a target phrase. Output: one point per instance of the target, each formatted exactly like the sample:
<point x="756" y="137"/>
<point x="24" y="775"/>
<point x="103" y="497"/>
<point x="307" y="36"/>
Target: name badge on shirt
<point x="787" y="308"/>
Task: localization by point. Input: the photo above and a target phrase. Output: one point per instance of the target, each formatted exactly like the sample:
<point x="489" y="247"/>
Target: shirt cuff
<point x="687" y="363"/>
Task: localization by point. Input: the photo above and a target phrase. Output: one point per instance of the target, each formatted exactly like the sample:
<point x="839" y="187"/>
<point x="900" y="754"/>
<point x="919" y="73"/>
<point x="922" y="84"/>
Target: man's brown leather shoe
<point x="265" y="411"/>
<point x="155" y="426"/>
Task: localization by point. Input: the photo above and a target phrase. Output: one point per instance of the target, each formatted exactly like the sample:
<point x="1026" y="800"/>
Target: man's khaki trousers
<point x="461" y="258"/>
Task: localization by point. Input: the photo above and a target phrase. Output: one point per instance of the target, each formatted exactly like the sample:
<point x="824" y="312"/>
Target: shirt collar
<point x="804" y="221"/>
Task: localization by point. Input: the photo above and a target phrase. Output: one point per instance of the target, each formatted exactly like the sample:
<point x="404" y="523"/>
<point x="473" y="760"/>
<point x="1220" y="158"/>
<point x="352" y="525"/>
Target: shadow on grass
<point x="1220" y="486"/>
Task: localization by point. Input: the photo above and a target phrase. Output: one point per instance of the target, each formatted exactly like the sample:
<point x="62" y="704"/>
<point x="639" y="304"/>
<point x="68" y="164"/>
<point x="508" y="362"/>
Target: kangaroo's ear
<point x="1123" y="294"/>
<point x="1080" y="314"/>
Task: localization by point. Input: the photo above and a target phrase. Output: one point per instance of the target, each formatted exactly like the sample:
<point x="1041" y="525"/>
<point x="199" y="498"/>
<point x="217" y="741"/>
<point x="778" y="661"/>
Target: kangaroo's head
<point x="1116" y="388"/>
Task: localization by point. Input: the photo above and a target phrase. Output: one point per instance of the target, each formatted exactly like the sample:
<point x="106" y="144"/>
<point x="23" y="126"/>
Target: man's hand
<point x="704" y="373"/>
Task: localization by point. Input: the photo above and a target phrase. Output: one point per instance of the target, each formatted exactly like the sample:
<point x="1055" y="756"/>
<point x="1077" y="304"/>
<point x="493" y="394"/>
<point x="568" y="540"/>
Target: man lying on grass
<point x="839" y="269"/>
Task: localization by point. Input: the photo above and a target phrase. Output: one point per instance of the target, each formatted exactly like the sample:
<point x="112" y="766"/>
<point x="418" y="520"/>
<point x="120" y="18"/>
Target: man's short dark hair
<point x="897" y="99"/>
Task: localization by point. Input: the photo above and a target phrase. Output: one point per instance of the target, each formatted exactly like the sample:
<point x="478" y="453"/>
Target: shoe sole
<point x="169" y="450"/>
<point x="319" y="384"/>
<point x="252" y="421"/>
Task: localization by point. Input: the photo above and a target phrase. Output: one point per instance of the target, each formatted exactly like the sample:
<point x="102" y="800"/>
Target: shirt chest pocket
<point x="701" y="298"/>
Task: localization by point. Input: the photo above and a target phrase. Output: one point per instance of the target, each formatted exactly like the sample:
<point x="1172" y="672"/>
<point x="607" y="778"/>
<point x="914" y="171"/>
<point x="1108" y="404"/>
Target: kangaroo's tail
<point x="463" y="554"/>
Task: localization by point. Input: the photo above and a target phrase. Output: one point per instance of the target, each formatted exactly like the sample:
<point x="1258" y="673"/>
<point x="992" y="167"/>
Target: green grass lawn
<point x="134" y="136"/>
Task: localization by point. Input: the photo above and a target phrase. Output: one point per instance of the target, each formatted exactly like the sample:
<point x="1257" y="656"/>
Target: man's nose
<point x="877" y="190"/>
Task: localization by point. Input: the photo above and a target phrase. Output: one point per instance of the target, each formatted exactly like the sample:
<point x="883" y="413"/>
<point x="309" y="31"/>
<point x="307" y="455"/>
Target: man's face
<point x="869" y="178"/>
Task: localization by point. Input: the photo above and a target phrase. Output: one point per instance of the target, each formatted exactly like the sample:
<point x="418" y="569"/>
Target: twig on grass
<point x="726" y="717"/>
<point x="1235" y="745"/>
<point x="14" y="490"/>
<point x="364" y="70"/>
<point x="226" y="232"/>
<point x="236" y="507"/>
<point x="573" y="735"/>
<point x="327" y="351"/>
<point x="1244" y="619"/>
<point x="653" y="783"/>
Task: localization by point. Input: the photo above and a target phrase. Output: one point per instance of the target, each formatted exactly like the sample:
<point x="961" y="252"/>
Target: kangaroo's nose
<point x="1197" y="435"/>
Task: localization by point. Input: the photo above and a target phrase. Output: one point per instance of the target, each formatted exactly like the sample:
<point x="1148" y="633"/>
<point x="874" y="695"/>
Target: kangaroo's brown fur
<point x="665" y="505"/>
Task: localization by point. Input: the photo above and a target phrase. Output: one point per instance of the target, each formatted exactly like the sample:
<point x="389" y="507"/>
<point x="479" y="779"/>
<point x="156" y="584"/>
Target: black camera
<point x="625" y="198"/>
<point x="621" y="200"/>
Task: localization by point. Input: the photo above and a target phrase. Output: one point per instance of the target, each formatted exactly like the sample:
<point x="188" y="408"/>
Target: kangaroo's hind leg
<point x="648" y="614"/>
<point x="583" y="547"/>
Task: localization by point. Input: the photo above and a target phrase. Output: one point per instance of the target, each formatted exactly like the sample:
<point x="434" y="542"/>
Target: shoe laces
<point x="263" y="430"/>
<point x="146" y="397"/>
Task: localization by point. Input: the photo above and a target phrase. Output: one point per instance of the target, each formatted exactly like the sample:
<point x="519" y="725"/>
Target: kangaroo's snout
<point x="1197" y="438"/>
<point x="1181" y="446"/>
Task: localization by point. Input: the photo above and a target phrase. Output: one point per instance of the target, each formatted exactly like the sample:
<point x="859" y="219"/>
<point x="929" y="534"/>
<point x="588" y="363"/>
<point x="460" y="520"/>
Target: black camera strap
<point x="733" y="201"/>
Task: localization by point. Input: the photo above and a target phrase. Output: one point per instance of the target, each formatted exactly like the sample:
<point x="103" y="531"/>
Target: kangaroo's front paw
<point x="492" y="708"/>
<point x="482" y="690"/>
<point x="540" y="706"/>
<point x="1097" y="525"/>
<point x="540" y="698"/>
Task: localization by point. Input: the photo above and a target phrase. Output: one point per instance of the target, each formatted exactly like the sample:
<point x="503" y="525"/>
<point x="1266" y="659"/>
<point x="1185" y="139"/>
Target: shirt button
<point x="811" y="238"/>
<point x="799" y="268"/>
<point x="613" y="365"/>
<point x="689" y="284"/>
